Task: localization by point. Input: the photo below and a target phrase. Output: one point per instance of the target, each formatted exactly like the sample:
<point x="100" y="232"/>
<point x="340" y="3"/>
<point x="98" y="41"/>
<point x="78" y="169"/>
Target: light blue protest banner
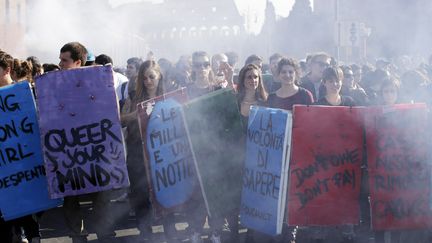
<point x="170" y="158"/>
<point x="23" y="184"/>
<point x="266" y="169"/>
<point x="172" y="166"/>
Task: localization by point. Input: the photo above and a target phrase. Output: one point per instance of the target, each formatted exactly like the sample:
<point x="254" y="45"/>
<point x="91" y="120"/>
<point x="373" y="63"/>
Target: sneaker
<point x="196" y="238"/>
<point x="23" y="240"/>
<point x="19" y="239"/>
<point x="215" y="238"/>
<point x="18" y="235"/>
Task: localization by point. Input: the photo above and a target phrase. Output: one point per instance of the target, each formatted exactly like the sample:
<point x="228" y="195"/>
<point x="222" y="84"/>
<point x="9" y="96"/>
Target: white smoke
<point x="117" y="3"/>
<point x="253" y="12"/>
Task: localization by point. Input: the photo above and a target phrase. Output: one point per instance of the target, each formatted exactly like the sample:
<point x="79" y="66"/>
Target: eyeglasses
<point x="201" y="64"/>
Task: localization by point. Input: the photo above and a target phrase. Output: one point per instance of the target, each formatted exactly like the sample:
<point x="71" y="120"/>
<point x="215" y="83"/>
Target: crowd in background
<point x="280" y="82"/>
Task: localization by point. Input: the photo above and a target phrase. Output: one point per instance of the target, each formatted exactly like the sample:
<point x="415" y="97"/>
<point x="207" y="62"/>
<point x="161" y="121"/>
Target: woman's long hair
<point x="260" y="92"/>
<point x="141" y="91"/>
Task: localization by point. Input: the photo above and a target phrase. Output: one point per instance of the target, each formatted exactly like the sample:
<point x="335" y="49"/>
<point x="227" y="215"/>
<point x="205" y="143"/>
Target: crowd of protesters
<point x="281" y="83"/>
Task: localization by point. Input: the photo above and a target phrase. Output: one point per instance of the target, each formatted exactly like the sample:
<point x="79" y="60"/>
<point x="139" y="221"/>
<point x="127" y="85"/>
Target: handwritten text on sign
<point x="324" y="187"/>
<point x="325" y="164"/>
<point x="11" y="128"/>
<point x="399" y="171"/>
<point x="171" y="161"/>
<point x="260" y="206"/>
<point x="21" y="163"/>
<point x="81" y="130"/>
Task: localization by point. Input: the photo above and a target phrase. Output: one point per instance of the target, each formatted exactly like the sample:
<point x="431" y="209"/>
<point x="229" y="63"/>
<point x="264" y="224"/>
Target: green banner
<point x="214" y="126"/>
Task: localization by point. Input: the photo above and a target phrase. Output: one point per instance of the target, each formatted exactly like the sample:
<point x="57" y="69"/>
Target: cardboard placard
<point x="266" y="169"/>
<point x="169" y="162"/>
<point x="399" y="167"/>
<point x="23" y="185"/>
<point x="325" y="168"/>
<point x="213" y="124"/>
<point x="81" y="131"/>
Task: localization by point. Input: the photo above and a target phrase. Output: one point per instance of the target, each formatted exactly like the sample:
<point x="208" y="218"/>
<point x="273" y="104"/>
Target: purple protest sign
<point x="80" y="131"/>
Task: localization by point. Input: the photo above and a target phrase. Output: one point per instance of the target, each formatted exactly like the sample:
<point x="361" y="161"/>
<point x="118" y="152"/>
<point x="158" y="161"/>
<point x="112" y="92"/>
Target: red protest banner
<point x="399" y="172"/>
<point x="327" y="152"/>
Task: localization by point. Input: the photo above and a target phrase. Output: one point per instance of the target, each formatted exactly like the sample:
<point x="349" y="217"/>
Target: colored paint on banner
<point x="23" y="185"/>
<point x="265" y="173"/>
<point x="325" y="167"/>
<point x="213" y="124"/>
<point x="81" y="132"/>
<point x="399" y="167"/>
<point x="173" y="173"/>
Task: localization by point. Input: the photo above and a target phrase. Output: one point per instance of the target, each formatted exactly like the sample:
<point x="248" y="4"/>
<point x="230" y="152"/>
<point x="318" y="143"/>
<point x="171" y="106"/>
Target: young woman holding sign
<point x="332" y="81"/>
<point x="148" y="85"/>
<point x="288" y="95"/>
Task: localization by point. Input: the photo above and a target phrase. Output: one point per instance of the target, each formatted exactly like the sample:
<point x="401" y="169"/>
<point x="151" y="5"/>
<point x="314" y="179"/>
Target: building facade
<point x="13" y="26"/>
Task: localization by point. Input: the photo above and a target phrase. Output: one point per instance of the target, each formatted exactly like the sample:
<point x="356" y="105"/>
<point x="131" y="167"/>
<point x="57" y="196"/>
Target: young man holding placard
<point x="73" y="55"/>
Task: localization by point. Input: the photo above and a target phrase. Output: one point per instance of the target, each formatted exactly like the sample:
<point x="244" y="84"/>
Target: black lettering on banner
<point x="16" y="179"/>
<point x="95" y="154"/>
<point x="262" y="182"/>
<point x="157" y="157"/>
<point x="401" y="182"/>
<point x="7" y="105"/>
<point x="57" y="140"/>
<point x="165" y="136"/>
<point x="321" y="186"/>
<point x="7" y="131"/>
<point x="170" y="150"/>
<point x="26" y="127"/>
<point x="10" y="129"/>
<point x="265" y="139"/>
<point x="399" y="162"/>
<point x="400" y="139"/>
<point x="308" y="194"/>
<point x="79" y="178"/>
<point x="324" y="163"/>
<point x="180" y="147"/>
<point x="262" y="158"/>
<point x="268" y="126"/>
<point x="401" y="208"/>
<point x="174" y="172"/>
<point x="255" y="213"/>
<point x="172" y="114"/>
<point x="77" y="147"/>
<point x="14" y="154"/>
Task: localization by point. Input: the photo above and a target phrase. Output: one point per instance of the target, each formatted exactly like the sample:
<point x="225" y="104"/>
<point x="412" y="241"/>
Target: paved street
<point x="54" y="230"/>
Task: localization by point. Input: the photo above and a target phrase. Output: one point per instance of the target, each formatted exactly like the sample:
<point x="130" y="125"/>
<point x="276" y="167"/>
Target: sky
<point x="282" y="6"/>
<point x="252" y="10"/>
